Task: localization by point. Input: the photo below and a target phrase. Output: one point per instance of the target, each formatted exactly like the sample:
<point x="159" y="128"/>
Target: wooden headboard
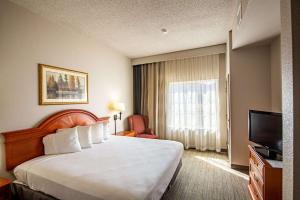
<point x="23" y="145"/>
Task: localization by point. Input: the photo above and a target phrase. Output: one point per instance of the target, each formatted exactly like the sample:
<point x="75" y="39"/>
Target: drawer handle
<point x="255" y="178"/>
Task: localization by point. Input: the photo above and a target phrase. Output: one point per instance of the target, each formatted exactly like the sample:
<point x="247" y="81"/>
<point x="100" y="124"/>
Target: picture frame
<point x="59" y="86"/>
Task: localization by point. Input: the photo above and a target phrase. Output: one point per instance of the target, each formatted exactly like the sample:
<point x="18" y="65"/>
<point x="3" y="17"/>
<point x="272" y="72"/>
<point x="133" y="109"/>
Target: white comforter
<point x="121" y="168"/>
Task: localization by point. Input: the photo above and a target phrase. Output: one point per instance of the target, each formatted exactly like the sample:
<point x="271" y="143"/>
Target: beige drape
<point x="191" y="69"/>
<point x="192" y="102"/>
<point x="157" y="76"/>
<point x="153" y="96"/>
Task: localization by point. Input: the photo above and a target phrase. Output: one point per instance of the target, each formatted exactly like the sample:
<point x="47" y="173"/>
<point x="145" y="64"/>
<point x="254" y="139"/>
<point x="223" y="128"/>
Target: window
<point x="193" y="105"/>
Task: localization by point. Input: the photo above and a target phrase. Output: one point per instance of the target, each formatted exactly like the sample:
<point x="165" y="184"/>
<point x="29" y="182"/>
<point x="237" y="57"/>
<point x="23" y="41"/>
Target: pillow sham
<point x="49" y="144"/>
<point x="106" y="133"/>
<point x="64" y="141"/>
<point x="84" y="136"/>
<point x="97" y="133"/>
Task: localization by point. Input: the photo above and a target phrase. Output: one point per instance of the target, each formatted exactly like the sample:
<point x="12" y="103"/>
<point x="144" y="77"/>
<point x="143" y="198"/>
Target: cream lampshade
<point x="116" y="106"/>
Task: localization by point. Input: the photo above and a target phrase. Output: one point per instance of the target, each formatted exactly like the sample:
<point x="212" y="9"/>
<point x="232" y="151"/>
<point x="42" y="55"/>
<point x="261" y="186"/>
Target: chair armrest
<point x="149" y="131"/>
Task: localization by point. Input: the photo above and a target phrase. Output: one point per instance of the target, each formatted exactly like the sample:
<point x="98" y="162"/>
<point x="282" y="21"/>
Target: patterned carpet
<point x="207" y="176"/>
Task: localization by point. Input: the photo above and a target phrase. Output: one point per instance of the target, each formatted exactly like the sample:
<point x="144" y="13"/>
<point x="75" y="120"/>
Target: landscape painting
<point x="62" y="86"/>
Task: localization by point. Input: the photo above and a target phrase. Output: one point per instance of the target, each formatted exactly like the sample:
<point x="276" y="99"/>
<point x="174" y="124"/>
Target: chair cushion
<point x="138" y="124"/>
<point x="150" y="136"/>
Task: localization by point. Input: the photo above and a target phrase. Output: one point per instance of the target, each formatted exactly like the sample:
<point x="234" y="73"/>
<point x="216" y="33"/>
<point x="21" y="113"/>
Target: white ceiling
<point x="133" y="27"/>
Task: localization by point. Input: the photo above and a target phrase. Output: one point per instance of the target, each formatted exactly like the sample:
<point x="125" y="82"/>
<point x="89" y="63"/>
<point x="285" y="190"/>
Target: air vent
<point x="239" y="14"/>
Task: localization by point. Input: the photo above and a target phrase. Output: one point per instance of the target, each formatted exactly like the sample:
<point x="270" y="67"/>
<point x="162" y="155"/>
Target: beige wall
<point x="250" y="89"/>
<point x="27" y="39"/>
<point x="255" y="74"/>
<point x="255" y="25"/>
<point x="275" y="75"/>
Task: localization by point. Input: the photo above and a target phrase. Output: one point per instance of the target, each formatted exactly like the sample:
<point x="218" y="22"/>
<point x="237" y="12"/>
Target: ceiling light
<point x="164" y="31"/>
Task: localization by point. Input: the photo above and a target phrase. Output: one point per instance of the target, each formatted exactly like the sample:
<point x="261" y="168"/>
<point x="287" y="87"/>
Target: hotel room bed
<point x="120" y="168"/>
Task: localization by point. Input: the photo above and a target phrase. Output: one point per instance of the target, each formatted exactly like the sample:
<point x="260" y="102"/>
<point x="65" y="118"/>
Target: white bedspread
<point x="121" y="168"/>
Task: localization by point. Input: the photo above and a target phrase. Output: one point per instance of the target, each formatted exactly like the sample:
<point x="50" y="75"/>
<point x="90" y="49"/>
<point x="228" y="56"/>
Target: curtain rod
<point x="204" y="51"/>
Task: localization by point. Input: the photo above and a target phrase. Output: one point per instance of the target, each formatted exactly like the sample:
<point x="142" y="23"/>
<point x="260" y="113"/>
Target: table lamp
<point x="116" y="108"/>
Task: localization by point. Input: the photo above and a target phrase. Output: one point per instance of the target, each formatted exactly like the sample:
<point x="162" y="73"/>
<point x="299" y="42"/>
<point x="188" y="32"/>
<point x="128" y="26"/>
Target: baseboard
<point x="239" y="167"/>
<point x="224" y="150"/>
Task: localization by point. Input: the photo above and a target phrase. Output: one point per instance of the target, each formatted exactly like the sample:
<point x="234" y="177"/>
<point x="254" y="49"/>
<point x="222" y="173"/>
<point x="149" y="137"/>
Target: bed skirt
<point x="23" y="192"/>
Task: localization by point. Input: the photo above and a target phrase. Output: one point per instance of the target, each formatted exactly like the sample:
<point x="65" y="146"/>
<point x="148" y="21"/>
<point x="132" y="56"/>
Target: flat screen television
<point x="265" y="129"/>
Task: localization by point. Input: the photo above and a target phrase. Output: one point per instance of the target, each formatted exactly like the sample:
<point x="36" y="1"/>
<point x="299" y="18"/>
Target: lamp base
<point x="115" y="119"/>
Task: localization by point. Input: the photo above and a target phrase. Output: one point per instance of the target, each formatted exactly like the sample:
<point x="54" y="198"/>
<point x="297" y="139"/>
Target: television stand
<point x="265" y="177"/>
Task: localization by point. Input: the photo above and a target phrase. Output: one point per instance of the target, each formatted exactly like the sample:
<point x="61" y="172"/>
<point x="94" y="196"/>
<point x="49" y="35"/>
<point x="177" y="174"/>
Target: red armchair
<point x="139" y="124"/>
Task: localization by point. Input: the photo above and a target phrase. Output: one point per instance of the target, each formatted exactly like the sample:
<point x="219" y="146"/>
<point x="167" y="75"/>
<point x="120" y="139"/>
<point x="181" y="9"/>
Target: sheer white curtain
<point x="192" y="102"/>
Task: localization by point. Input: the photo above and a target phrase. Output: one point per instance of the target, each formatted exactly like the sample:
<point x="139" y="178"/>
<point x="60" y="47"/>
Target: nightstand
<point x="126" y="133"/>
<point x="5" y="193"/>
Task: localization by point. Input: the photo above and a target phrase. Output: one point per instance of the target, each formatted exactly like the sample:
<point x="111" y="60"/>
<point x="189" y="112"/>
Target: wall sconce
<point x="116" y="108"/>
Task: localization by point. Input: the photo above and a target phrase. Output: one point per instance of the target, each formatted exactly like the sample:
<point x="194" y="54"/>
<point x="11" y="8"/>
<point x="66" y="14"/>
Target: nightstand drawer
<point x="5" y="193"/>
<point x="127" y="133"/>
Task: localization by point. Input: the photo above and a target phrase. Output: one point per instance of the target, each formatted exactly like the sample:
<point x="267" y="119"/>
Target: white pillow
<point x="64" y="141"/>
<point x="97" y="133"/>
<point x="106" y="131"/>
<point x="84" y="136"/>
<point x="67" y="141"/>
<point x="49" y="144"/>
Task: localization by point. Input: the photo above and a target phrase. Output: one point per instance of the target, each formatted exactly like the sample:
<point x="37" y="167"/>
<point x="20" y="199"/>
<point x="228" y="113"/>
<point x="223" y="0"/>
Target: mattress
<point x="119" y="169"/>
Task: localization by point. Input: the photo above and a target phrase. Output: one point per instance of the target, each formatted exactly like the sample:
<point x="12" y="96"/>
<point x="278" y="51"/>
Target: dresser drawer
<point x="258" y="171"/>
<point x="254" y="194"/>
<point x="257" y="163"/>
<point x="256" y="181"/>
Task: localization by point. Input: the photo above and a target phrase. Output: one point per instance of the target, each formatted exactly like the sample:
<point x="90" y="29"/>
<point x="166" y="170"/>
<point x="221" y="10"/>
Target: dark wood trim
<point x="239" y="167"/>
<point x="224" y="150"/>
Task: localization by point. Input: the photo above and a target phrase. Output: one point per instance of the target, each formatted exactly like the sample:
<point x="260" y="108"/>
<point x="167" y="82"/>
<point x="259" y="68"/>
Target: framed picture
<point x="59" y="86"/>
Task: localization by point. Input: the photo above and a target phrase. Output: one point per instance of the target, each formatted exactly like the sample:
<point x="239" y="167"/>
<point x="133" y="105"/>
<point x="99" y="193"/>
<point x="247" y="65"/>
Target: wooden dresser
<point x="265" y="178"/>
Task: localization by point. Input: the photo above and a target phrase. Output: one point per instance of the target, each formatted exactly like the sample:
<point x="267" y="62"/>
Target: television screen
<point x="265" y="128"/>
